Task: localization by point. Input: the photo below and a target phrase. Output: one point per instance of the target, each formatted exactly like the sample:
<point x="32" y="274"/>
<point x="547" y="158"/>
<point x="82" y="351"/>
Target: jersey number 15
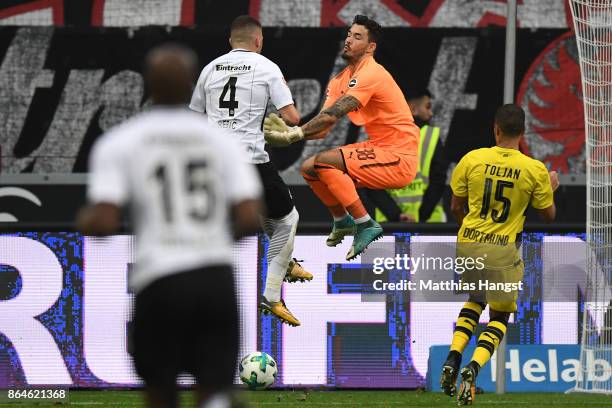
<point x="496" y="216"/>
<point x="196" y="190"/>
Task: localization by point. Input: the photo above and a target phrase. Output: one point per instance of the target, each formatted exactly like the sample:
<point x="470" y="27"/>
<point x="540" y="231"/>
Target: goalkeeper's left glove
<point x="278" y="134"/>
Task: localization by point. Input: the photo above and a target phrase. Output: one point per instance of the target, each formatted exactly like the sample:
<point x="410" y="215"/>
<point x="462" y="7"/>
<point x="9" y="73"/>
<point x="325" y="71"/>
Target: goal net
<point x="593" y="29"/>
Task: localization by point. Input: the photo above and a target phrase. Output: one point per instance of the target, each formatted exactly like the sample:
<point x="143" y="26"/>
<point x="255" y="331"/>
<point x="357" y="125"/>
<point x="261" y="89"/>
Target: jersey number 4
<point x="196" y="189"/>
<point x="231" y="103"/>
<point x="496" y="216"/>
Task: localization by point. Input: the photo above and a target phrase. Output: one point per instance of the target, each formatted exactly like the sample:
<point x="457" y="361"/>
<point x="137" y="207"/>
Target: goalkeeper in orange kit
<point x="368" y="94"/>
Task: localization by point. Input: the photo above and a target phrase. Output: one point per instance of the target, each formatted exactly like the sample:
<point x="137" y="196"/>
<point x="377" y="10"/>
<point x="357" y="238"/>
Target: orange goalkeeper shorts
<point x="377" y="167"/>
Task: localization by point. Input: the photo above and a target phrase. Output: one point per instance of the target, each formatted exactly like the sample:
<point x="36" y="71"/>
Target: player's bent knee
<point x="292" y="218"/>
<point x="330" y="158"/>
<point x="296" y="215"/>
<point x="307" y="169"/>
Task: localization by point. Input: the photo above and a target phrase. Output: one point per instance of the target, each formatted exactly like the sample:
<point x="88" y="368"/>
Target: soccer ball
<point x="258" y="370"/>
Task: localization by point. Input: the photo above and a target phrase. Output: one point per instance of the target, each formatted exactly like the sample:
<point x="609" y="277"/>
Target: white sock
<point x="279" y="252"/>
<point x="363" y="219"/>
<point x="274" y="280"/>
<point x="340" y="218"/>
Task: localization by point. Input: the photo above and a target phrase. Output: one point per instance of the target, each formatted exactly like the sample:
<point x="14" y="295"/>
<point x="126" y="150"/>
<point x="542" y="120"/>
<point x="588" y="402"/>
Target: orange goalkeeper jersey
<point x="384" y="110"/>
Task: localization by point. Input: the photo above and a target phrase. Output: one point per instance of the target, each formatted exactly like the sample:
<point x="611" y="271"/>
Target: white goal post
<point x="593" y="28"/>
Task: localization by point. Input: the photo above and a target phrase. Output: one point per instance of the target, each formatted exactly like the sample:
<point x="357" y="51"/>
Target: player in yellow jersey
<point x="492" y="188"/>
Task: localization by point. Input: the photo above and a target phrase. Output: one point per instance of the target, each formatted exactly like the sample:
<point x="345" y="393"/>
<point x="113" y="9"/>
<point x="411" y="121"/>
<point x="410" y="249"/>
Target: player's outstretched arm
<point x="278" y="134"/>
<point x="328" y="117"/>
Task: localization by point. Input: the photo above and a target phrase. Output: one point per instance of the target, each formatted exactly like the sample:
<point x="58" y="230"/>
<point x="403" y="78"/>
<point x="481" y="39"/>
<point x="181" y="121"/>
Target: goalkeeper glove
<point x="278" y="134"/>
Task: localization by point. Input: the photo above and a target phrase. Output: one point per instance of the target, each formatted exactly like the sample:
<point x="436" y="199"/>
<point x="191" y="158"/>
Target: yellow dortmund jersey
<point x="500" y="183"/>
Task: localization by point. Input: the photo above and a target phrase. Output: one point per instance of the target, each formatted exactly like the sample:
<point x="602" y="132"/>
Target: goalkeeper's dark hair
<point x="374" y="29"/>
<point x="510" y="120"/>
<point x="244" y="21"/>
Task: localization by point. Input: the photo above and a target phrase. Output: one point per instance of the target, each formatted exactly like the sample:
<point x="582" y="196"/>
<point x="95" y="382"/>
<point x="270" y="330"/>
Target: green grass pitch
<point x="348" y="399"/>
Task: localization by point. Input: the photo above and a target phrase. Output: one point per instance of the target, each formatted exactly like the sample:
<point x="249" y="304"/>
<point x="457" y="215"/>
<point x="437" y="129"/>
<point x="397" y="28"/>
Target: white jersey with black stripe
<point x="233" y="91"/>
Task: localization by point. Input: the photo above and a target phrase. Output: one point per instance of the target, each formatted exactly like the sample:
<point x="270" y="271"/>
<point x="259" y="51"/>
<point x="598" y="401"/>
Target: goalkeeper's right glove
<point x="278" y="134"/>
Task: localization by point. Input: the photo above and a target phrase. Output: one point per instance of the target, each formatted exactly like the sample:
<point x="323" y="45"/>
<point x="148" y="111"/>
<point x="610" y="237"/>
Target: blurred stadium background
<point x="70" y="70"/>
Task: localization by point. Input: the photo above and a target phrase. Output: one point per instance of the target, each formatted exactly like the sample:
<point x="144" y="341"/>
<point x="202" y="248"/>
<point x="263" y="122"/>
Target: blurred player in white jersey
<point x="233" y="91"/>
<point x="170" y="169"/>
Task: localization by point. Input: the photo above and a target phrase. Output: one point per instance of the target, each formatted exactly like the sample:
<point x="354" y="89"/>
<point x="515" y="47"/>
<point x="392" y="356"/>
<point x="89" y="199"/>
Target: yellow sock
<point x="466" y="323"/>
<point x="488" y="342"/>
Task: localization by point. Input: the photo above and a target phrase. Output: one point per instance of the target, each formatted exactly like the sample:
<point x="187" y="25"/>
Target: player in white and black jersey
<point x="170" y="168"/>
<point x="233" y="91"/>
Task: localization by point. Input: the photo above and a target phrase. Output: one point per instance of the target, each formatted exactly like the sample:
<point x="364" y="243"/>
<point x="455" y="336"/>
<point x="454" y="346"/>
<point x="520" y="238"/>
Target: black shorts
<point x="276" y="193"/>
<point x="187" y="322"/>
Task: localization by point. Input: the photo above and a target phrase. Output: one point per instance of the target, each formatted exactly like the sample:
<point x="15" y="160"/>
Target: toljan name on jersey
<point x="504" y="172"/>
